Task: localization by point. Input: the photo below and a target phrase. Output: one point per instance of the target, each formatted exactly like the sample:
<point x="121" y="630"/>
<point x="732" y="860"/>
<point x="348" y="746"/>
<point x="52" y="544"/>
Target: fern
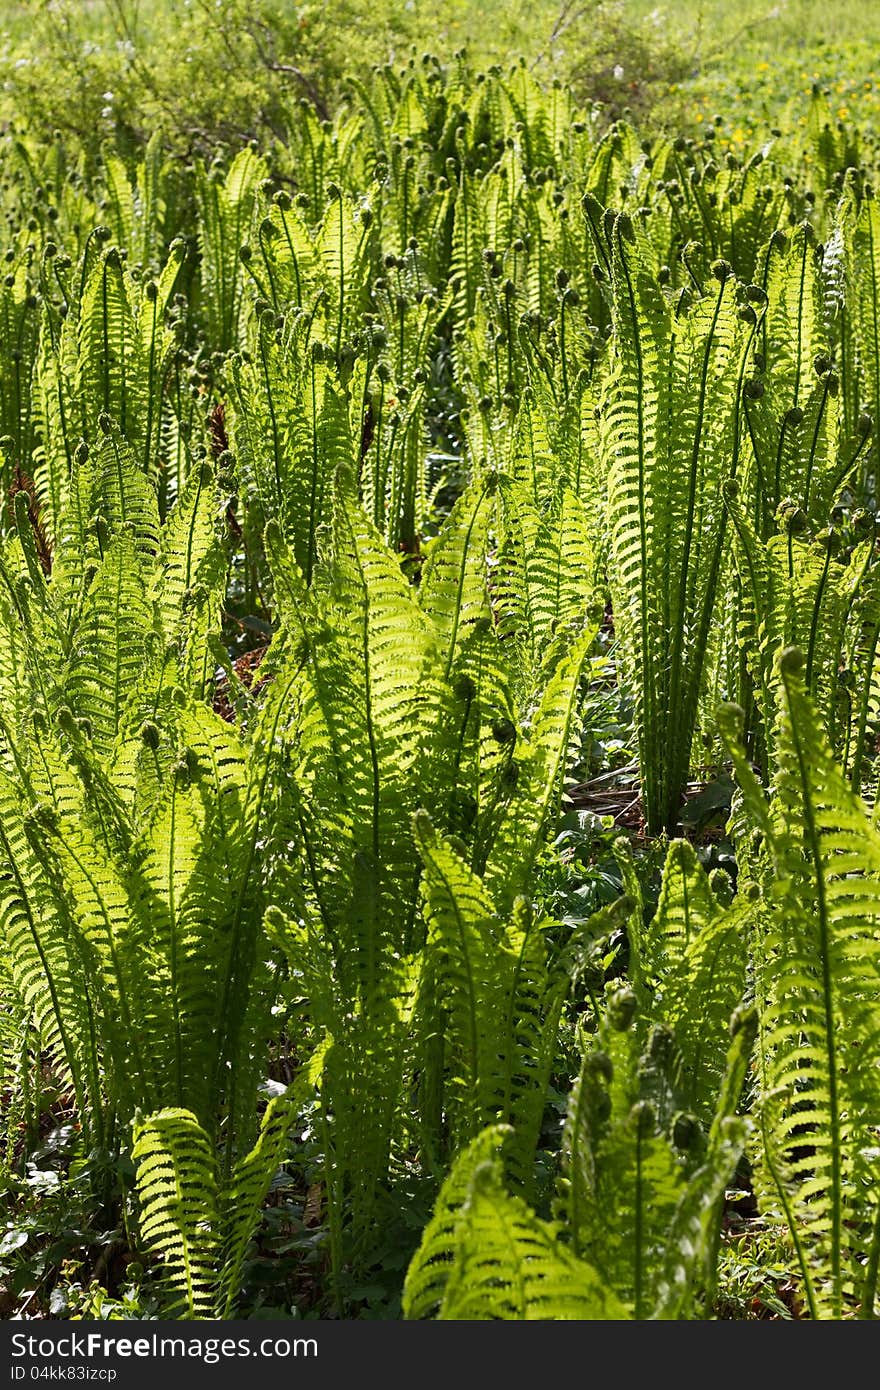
<point x="670" y="417"/>
<point x="643" y="1187"/>
<point x="485" y="1255"/>
<point x="177" y="1190"/>
<point x="692" y="960"/>
<point x="500" y="997"/>
<point x="818" y="967"/>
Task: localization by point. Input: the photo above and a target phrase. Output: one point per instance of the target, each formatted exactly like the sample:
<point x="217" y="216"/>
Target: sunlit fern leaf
<point x="226" y="210"/>
<point x="73" y="530"/>
<point x="533" y="463"/>
<point x="693" y="957"/>
<point x="52" y="457"/>
<point x="220" y="911"/>
<point x="431" y="1265"/>
<point x="539" y="763"/>
<point x="16" y="690"/>
<point x="487" y="1256"/>
<point x="67" y="773"/>
<point x="388" y="644"/>
<point x="19" y="402"/>
<point x="242" y="1200"/>
<point x="109" y="641"/>
<point x="863" y="290"/>
<point x="290" y="398"/>
<point x="122" y="493"/>
<point x="797" y="591"/>
<point x="624" y="1178"/>
<point x="90" y="894"/>
<point x="241" y="792"/>
<point x="819" y="977"/>
<point x="163" y="868"/>
<point x="19" y="1038"/>
<point x="548" y="571"/>
<point x="453" y="587"/>
<point x="671" y="433"/>
<point x="642" y="1182"/>
<point x="290" y="255"/>
<point x="861" y="660"/>
<point x="693" y="1243"/>
<point x="146" y="742"/>
<point x="120" y="198"/>
<point x="343" y="245"/>
<point x="153" y="350"/>
<point x="200" y="623"/>
<point x="355" y="655"/>
<point x="794" y="327"/>
<point x="48" y="976"/>
<point x="481" y="749"/>
<point x="105" y="347"/>
<point x="177" y="1207"/>
<point x="493" y="981"/>
<point x="511" y="1265"/>
<point x="33" y="637"/>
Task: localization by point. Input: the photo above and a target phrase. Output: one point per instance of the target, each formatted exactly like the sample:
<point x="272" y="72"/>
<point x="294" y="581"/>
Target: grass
<point x="755" y="64"/>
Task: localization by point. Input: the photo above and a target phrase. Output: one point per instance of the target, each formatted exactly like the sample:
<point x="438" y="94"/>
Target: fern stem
<point x="814" y="444"/>
<point x="151" y="393"/>
<point x="295" y="260"/>
<point x="650" y="731"/>
<point x="342" y="283"/>
<point x="680" y="722"/>
<point x="313" y="480"/>
<point x="814" y="620"/>
<point x="276" y="440"/>
<point x="173" y="963"/>
<point x="800" y="314"/>
<point x="872" y="1265"/>
<point x="864" y="708"/>
<point x="638" y="1230"/>
<point x="823" y="921"/>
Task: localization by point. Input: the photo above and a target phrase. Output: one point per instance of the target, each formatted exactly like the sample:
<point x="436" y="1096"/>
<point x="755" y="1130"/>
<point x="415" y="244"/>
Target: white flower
<point x="618" y="72"/>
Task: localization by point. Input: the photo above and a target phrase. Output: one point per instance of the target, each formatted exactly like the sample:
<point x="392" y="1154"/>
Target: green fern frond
<point x="178" y="1207"/>
<point x="818" y="975"/>
<point x="108" y="644"/>
<point x="485" y="1255"/>
<point x="693" y="957"/>
<point x="534" y="789"/>
<point x="493" y="982"/>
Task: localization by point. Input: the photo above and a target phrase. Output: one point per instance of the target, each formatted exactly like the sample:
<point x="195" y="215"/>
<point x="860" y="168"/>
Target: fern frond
<point x="177" y="1207"/>
<point x="819" y="973"/>
<point x="485" y="1255"/>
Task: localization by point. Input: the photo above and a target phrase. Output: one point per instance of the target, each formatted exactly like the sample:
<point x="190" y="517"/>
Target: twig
<point x="290" y="70"/>
<point x="607" y="777"/>
<point x="567" y="16"/>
